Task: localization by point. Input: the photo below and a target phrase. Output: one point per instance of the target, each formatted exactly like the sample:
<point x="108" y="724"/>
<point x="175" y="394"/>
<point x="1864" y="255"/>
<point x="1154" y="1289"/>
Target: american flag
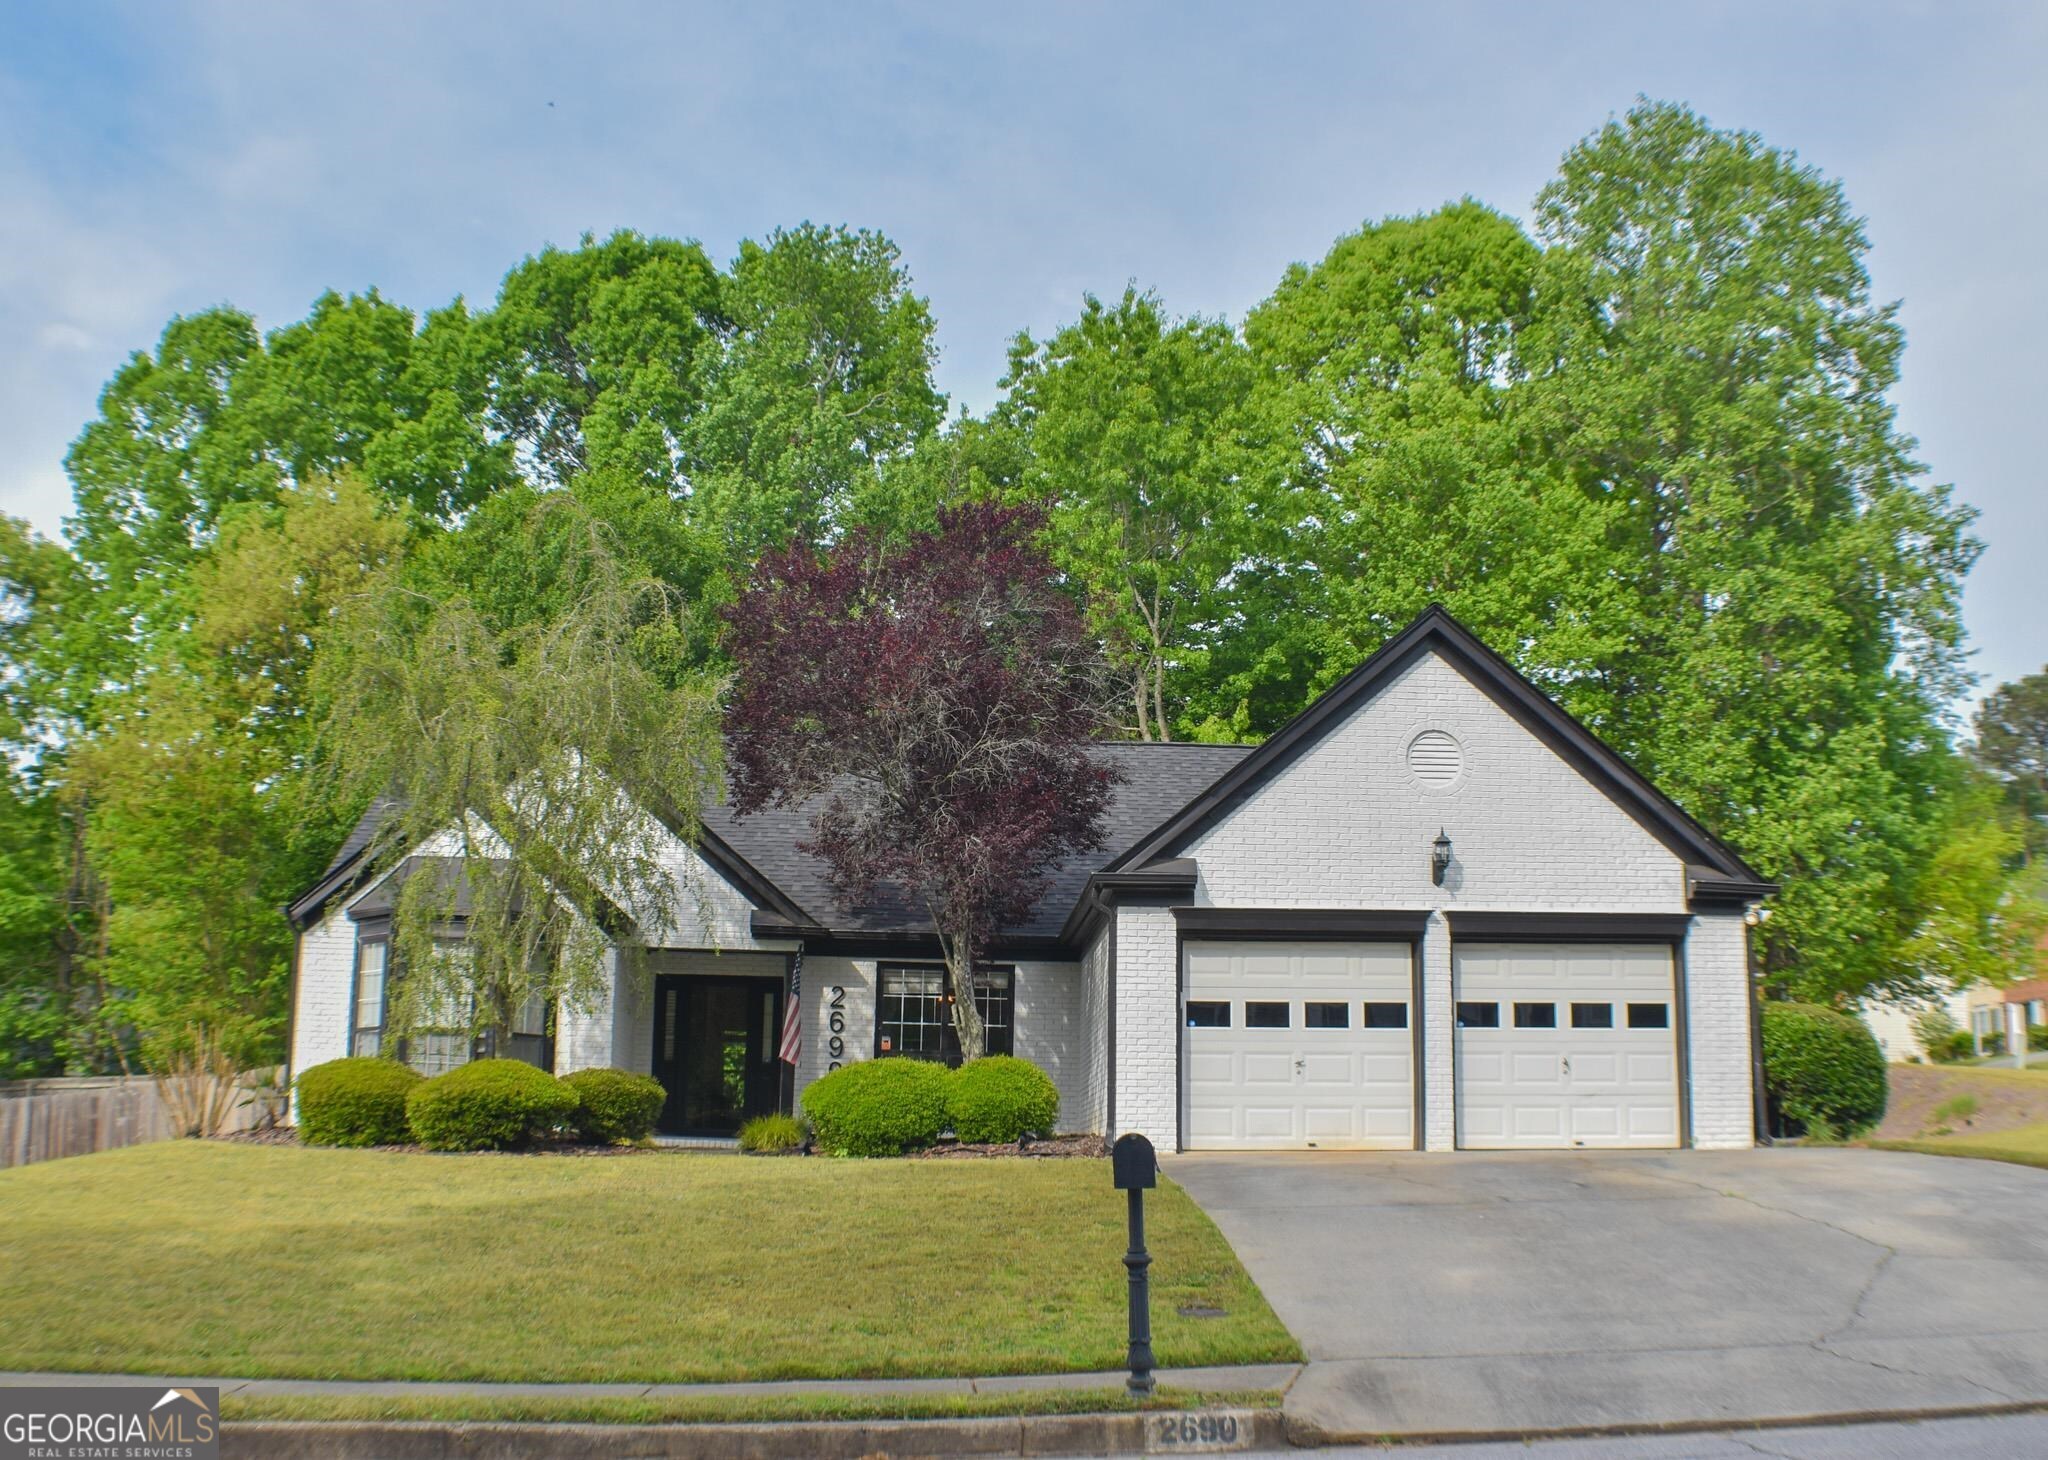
<point x="792" y="1015"/>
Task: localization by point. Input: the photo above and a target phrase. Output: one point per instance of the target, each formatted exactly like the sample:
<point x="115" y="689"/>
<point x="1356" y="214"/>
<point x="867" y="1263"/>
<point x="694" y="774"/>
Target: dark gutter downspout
<point x="1760" y="1111"/>
<point x="291" y="1008"/>
<point x="1109" y="1053"/>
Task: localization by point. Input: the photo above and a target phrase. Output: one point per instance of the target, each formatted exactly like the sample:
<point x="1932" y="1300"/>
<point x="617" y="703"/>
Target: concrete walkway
<point x="1470" y="1294"/>
<point x="1264" y="1378"/>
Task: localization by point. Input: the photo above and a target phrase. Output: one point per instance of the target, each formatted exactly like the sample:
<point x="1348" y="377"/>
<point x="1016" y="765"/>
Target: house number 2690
<point x="835" y="1020"/>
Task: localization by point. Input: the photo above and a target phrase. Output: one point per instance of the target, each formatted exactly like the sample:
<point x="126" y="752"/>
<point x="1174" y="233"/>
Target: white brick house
<point x="1431" y="912"/>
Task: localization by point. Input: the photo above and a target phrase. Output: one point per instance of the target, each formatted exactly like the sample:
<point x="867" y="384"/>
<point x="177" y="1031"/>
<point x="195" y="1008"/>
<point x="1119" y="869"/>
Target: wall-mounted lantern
<point x="1439" y="857"/>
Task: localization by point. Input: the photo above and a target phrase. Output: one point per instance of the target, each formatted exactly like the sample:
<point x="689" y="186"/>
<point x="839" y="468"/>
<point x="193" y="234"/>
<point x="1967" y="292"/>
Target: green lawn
<point x="209" y="1258"/>
<point x="2027" y="1146"/>
<point x="726" y="1408"/>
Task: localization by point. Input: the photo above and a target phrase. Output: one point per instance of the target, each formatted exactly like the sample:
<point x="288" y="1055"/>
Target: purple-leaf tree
<point x="941" y="695"/>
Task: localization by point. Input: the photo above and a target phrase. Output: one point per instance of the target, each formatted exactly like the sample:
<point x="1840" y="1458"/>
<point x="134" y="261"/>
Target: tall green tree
<point x="1709" y="366"/>
<point x="1133" y="425"/>
<point x="822" y="381"/>
<point x="197" y="820"/>
<point x="533" y="753"/>
<point x="593" y="357"/>
<point x="2012" y="744"/>
<point x="1388" y="372"/>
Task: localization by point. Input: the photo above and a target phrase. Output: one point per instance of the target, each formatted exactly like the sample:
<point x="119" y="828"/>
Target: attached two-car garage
<point x="1317" y="1045"/>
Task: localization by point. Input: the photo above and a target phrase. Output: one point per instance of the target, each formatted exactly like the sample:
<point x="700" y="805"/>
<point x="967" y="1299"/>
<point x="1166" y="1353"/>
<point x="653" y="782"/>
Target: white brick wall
<point x="1051" y="1032"/>
<point x="326" y="985"/>
<point x="1345" y="824"/>
<point x="1439" y="1106"/>
<point x="821" y="976"/>
<point x="591" y="1038"/>
<point x="1090" y="1111"/>
<point x="1717" y="1015"/>
<point x="1147" y="1025"/>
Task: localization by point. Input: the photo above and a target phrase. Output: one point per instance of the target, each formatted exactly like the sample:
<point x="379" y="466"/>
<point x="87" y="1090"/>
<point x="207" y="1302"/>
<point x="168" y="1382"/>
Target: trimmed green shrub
<point x="998" y="1100"/>
<point x="356" y="1102"/>
<point x="878" y="1107"/>
<point x="772" y="1133"/>
<point x="615" y="1105"/>
<point x="1957" y="1046"/>
<point x="1823" y="1069"/>
<point x="487" y="1105"/>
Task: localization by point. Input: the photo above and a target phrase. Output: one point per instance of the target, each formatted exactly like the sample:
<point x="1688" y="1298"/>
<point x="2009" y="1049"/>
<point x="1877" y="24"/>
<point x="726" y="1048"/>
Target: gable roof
<point x="1171" y="792"/>
<point x="759" y="854"/>
<point x="1714" y="864"/>
<point x="1159" y="778"/>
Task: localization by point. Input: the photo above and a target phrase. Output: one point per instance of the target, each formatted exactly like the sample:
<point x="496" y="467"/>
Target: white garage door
<point x="1295" y="1046"/>
<point x="1564" y="1045"/>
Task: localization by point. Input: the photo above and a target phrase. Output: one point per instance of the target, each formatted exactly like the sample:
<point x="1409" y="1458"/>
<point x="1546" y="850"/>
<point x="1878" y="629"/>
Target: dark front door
<point x="714" y="1051"/>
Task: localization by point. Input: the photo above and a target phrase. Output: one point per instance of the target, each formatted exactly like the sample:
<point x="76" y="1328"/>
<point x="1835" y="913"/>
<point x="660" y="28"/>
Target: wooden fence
<point x="41" y="1120"/>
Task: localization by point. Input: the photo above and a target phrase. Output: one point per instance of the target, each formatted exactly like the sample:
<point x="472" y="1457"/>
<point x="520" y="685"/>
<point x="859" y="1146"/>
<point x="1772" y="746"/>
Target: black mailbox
<point x="1134" y="1164"/>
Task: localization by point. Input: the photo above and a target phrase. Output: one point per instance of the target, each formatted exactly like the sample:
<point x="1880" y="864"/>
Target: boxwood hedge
<point x="487" y="1105"/>
<point x="878" y="1107"/>
<point x="359" y="1101"/>
<point x="999" y="1099"/>
<point x="1822" y="1069"/>
<point x="615" y="1105"/>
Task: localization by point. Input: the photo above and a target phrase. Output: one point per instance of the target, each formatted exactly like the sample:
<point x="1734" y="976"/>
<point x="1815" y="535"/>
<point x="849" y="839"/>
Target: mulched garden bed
<point x="1056" y="1146"/>
<point x="1094" y="1146"/>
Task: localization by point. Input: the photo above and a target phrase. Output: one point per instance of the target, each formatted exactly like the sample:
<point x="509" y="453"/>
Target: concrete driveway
<point x="1471" y="1294"/>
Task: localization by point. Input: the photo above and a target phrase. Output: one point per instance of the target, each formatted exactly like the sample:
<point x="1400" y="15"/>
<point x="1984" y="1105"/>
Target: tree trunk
<point x="967" y="1025"/>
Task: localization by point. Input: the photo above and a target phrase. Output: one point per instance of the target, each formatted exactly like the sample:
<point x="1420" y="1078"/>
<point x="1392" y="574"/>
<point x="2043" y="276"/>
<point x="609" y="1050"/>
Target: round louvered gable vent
<point x="1435" y="759"/>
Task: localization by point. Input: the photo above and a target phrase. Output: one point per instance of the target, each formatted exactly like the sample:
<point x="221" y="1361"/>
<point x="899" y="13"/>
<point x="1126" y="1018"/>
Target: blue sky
<point x="159" y="158"/>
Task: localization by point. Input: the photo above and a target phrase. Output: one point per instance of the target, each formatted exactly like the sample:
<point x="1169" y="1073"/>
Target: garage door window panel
<point x="1473" y="1015"/>
<point x="1386" y="1015"/>
<point x="1535" y="1016"/>
<point x="1208" y="1014"/>
<point x="1649" y="1016"/>
<point x="1265" y="1014"/>
<point x="1318" y="1015"/>
<point x="1592" y="1016"/>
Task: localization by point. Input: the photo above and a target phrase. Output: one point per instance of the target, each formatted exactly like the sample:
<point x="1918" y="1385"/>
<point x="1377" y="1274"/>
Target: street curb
<point x="1157" y="1432"/>
<point x="1307" y="1434"/>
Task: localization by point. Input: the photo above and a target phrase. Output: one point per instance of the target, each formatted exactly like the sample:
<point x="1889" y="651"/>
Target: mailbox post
<point x="1135" y="1166"/>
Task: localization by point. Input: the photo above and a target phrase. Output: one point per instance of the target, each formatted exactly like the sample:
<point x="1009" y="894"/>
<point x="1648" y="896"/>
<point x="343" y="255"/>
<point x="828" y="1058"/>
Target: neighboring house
<point x="1891" y="1021"/>
<point x="1433" y="911"/>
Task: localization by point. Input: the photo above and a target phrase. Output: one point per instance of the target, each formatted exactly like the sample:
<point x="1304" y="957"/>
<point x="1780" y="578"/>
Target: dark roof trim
<point x="306" y="909"/>
<point x="730" y="865"/>
<point x="1300" y="922"/>
<point x="898" y="942"/>
<point x="1170" y="879"/>
<point x="727" y="863"/>
<point x="1435" y="628"/>
<point x="1174" y="876"/>
<point x="1706" y="887"/>
<point x="1572" y="927"/>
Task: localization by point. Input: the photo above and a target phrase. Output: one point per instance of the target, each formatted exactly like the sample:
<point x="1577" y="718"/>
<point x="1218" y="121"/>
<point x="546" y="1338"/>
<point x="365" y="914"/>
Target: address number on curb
<point x="1195" y="1432"/>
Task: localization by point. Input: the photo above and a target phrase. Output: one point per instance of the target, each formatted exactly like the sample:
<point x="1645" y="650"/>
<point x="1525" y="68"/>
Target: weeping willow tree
<point x="534" y="774"/>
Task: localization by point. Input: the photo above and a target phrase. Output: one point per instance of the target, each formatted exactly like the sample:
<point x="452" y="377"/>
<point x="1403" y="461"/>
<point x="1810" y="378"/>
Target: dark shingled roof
<point x="1161" y="779"/>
